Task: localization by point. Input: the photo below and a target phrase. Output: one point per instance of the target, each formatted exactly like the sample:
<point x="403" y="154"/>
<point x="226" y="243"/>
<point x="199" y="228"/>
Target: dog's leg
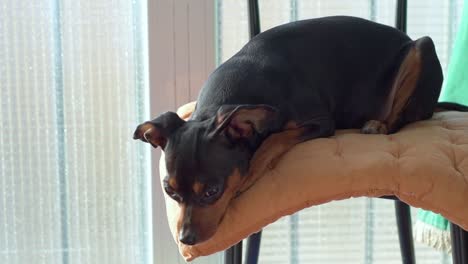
<point x="402" y="87"/>
<point x="414" y="91"/>
<point x="276" y="145"/>
<point x="374" y="127"/>
<point x="269" y="153"/>
<point x="310" y="129"/>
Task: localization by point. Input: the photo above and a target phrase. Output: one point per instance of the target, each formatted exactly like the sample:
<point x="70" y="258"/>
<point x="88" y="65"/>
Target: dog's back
<point x="330" y="64"/>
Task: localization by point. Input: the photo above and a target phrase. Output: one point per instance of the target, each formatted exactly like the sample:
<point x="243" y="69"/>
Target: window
<point x="72" y="87"/>
<point x="438" y="19"/>
<point x="356" y="230"/>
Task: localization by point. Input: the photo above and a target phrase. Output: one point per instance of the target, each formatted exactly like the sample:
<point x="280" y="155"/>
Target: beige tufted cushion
<point x="425" y="165"/>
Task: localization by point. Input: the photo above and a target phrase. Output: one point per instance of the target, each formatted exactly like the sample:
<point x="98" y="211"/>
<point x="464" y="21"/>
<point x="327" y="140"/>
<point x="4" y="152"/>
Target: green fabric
<point x="433" y="219"/>
<point x="455" y="88"/>
<point x="433" y="230"/>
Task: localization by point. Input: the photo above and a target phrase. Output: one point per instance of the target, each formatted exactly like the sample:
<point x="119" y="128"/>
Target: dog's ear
<point x="157" y="131"/>
<point x="245" y="121"/>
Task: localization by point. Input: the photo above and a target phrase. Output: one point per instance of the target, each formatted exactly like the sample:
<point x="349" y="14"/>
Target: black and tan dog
<point x="314" y="76"/>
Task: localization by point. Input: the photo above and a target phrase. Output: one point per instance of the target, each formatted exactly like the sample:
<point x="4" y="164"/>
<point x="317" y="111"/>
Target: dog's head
<point x="206" y="161"/>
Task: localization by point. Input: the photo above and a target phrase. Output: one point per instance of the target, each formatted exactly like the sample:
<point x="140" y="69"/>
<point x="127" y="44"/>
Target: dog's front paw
<point x="374" y="127"/>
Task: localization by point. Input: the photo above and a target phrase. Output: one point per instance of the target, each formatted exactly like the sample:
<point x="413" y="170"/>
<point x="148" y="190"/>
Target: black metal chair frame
<point x="459" y="236"/>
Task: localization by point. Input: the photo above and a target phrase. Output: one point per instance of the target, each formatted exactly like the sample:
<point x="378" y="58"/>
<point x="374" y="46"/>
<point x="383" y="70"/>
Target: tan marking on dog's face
<point x="172" y="183"/>
<point x="204" y="221"/>
<point x="198" y="187"/>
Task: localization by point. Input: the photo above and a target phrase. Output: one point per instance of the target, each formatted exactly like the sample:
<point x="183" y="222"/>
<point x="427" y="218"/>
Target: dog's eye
<point x="211" y="191"/>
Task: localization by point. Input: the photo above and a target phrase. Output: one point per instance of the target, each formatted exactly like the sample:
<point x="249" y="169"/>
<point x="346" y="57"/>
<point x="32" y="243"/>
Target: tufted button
<point x="338" y="149"/>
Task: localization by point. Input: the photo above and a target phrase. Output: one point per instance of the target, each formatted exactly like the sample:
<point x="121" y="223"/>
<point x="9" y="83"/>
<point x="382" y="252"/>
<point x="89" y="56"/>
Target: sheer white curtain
<point x="74" y="187"/>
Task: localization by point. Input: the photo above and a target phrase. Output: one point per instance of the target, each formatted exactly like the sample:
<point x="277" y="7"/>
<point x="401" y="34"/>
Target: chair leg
<point x="401" y="15"/>
<point x="459" y="244"/>
<point x="405" y="232"/>
<point x="254" y="18"/>
<point x="233" y="255"/>
<point x="464" y="246"/>
<point x="253" y="248"/>
<point x="455" y="238"/>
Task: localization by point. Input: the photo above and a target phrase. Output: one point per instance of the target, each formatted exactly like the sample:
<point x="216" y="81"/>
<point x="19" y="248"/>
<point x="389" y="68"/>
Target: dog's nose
<point x="188" y="238"/>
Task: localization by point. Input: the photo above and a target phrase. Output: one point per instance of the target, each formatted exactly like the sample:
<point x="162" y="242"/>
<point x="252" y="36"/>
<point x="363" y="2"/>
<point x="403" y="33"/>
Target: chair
<point x="459" y="237"/>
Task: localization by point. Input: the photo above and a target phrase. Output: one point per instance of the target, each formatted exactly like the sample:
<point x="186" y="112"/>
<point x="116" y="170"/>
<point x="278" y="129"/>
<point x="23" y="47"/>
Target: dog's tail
<point x="449" y="106"/>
